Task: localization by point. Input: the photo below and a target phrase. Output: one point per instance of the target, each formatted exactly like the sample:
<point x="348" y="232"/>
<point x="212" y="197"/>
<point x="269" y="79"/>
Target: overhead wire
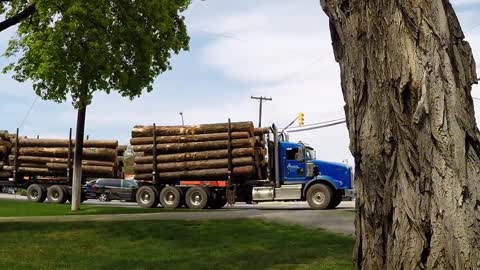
<point x="28" y="112"/>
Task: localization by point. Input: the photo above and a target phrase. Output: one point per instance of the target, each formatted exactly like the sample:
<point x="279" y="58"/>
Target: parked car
<point x="107" y="189"/>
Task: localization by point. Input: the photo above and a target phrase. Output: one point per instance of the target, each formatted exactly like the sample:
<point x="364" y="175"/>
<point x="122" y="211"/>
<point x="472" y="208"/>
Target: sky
<point x="274" y="48"/>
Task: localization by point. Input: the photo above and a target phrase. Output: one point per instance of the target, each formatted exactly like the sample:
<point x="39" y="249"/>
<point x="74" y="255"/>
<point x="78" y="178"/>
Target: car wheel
<point x="171" y="197"/>
<point x="36" y="193"/>
<point x="319" y="196"/>
<point x="197" y="198"/>
<point x="147" y="197"/>
<point x="56" y="194"/>
<point x="104" y="197"/>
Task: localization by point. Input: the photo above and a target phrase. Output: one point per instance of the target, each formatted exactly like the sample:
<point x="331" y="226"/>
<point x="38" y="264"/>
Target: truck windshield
<point x="310" y="153"/>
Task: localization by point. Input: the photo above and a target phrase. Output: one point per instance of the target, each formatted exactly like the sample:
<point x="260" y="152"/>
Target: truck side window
<point x="291" y="153"/>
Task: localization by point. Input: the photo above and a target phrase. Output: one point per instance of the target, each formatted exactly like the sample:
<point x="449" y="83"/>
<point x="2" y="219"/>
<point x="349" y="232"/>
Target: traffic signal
<point x="300" y="119"/>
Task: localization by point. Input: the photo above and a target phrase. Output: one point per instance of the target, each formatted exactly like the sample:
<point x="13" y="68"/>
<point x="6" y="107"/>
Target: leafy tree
<point x="73" y="48"/>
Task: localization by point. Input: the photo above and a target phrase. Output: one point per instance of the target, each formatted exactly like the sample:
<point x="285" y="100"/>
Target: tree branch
<point x="27" y="12"/>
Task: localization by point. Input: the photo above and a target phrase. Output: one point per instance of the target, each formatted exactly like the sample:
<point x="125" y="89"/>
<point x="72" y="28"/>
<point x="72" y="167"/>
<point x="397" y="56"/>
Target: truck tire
<point x="196" y="198"/>
<point x="147" y="197"/>
<point x="56" y="194"/>
<point x="337" y="199"/>
<point x="171" y="197"/>
<point x="319" y="196"/>
<point x="36" y="193"/>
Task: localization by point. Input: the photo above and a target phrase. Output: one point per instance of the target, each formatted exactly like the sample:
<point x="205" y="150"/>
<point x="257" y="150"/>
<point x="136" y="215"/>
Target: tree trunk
<point x="406" y="79"/>
<point x="168" y="148"/>
<point x="147" y="131"/>
<point x="78" y="157"/>
<point x="189" y="138"/>
<point x="193" y="165"/>
<point x="27" y="142"/>
<point x="191" y="156"/>
<point x="104" y="154"/>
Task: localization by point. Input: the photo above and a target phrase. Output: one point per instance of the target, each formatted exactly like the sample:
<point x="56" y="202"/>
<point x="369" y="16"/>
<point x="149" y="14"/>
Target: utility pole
<point x="181" y="115"/>
<point x="261" y="99"/>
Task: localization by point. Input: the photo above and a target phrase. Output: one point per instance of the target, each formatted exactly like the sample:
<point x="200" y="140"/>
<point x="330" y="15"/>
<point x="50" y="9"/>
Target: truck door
<point x="294" y="165"/>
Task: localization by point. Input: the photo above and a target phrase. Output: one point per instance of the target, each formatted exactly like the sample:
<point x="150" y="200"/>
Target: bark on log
<point x="192" y="165"/>
<point x="191" y="156"/>
<point x="86" y="169"/>
<point x="406" y="76"/>
<point x="34" y="159"/>
<point x="146" y="131"/>
<point x="5" y="174"/>
<point x="3" y="150"/>
<point x="5" y="143"/>
<point x="189" y="138"/>
<point x="194" y="146"/>
<point x="27" y="142"/>
<point x="210" y="174"/>
<point x="105" y="154"/>
<point x="261" y="131"/>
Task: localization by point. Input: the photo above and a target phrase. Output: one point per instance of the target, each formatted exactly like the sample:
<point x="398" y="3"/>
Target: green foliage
<point x="75" y="47"/>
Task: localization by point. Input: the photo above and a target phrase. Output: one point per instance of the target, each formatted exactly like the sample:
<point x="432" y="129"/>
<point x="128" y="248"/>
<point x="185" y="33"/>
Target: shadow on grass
<point x="236" y="244"/>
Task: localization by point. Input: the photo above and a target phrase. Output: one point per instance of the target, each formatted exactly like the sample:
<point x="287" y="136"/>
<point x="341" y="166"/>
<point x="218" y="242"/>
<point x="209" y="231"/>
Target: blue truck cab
<point x="298" y="165"/>
<point x="298" y="176"/>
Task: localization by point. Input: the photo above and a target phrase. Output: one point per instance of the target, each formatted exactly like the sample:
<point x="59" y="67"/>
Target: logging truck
<point x="293" y="172"/>
<point x="43" y="166"/>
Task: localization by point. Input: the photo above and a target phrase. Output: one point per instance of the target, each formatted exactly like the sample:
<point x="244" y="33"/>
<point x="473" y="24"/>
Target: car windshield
<point x="310" y="153"/>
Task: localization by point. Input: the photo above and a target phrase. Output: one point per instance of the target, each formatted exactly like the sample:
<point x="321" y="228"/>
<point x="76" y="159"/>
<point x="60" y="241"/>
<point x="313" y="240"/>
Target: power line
<point x="317" y="127"/>
<point x="320" y="123"/>
<point x="28" y="112"/>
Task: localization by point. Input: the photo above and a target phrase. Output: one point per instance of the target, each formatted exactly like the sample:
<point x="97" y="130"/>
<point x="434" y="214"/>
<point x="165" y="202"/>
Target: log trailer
<point x="293" y="175"/>
<point x="44" y="166"/>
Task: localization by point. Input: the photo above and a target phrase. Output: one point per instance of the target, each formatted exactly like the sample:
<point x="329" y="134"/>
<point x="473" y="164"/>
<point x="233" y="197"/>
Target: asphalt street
<point x="339" y="220"/>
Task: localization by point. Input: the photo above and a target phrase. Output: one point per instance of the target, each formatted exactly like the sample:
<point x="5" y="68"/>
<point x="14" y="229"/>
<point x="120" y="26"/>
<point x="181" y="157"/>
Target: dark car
<point x="107" y="189"/>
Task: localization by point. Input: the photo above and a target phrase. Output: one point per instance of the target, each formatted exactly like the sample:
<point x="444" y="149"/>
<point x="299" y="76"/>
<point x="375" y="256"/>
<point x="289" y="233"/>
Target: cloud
<point x="272" y="48"/>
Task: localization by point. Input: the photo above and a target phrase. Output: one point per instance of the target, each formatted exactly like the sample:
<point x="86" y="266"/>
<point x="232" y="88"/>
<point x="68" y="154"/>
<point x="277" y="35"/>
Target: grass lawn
<point x="12" y="208"/>
<point x="237" y="244"/>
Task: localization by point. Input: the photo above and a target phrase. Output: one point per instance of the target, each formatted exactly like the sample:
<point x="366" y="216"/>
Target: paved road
<point x="339" y="220"/>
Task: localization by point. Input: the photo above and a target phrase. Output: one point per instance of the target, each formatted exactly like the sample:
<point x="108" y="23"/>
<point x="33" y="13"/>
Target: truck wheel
<point x="147" y="197"/>
<point x="337" y="199"/>
<point x="171" y="197"/>
<point x="56" y="194"/>
<point x="319" y="196"/>
<point x="196" y="198"/>
<point x="36" y="193"/>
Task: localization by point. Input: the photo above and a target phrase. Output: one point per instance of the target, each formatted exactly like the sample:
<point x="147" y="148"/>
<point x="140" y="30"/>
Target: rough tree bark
<point x="406" y="75"/>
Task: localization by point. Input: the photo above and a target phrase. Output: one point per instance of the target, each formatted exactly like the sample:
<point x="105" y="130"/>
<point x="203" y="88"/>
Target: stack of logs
<point x="48" y="158"/>
<point x="5" y="147"/>
<point x="199" y="152"/>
